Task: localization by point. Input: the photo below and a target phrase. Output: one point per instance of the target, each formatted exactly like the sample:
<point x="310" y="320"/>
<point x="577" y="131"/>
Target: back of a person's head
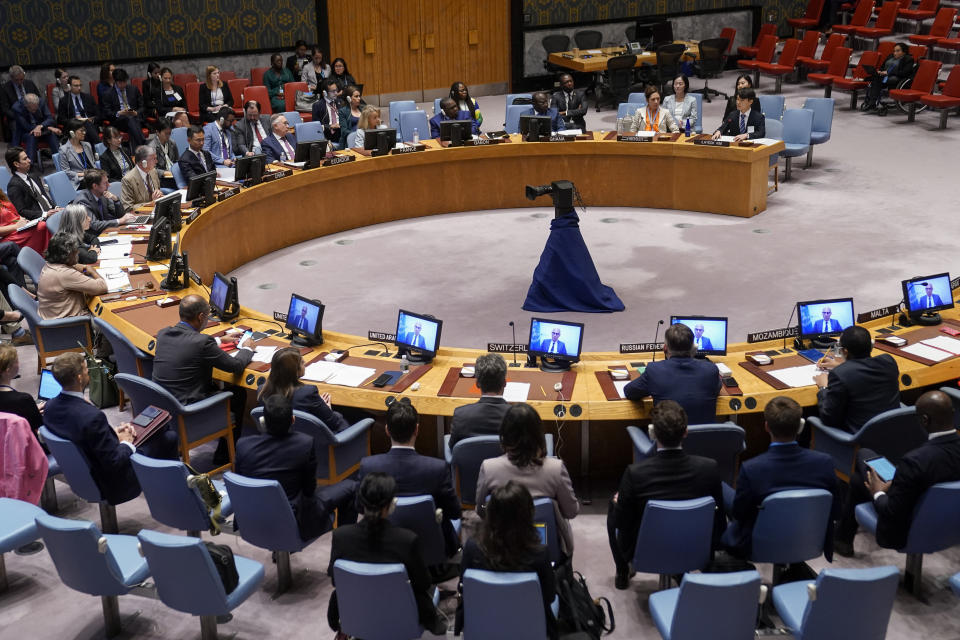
<point x="376" y="493"/>
<point x="277" y="415"/>
<point x="67" y="367"/>
<point x="192" y="306"/>
<point x="491" y="372"/>
<point x="284" y="374"/>
<point x="402" y="420"/>
<point x="507" y="532"/>
<point x="61" y="248"/>
<point x="679" y="339"/>
<point x="783" y="417"/>
<point x="935" y="410"/>
<point x="521" y="436"/>
<point x="669" y="422"/>
<point x="856" y="340"/>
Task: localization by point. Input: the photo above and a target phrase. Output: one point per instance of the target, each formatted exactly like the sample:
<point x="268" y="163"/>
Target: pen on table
<point x="542" y="391"/>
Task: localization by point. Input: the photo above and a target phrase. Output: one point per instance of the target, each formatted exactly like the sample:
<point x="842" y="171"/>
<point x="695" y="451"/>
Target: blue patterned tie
<point x="743" y="123"/>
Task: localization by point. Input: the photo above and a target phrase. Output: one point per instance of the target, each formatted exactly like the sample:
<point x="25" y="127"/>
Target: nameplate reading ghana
<point x="634" y="139"/>
<point x="877" y="313"/>
<point x="712" y="143"/>
<point x="773" y="334"/>
<point x="279" y="316"/>
<point x="499" y="347"/>
<point x="556" y="138"/>
<point x="377" y="336"/>
<point x="640" y="347"/>
<point x="335" y="160"/>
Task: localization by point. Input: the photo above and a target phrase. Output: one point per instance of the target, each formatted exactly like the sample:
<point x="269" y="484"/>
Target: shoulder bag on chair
<point x="103" y="389"/>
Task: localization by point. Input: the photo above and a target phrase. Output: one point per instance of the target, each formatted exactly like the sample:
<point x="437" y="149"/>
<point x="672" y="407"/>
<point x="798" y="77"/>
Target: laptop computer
<point x="49" y="387"/>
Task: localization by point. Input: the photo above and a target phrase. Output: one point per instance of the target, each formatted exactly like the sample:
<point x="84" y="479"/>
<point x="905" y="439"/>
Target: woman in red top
<point x="10" y="223"/>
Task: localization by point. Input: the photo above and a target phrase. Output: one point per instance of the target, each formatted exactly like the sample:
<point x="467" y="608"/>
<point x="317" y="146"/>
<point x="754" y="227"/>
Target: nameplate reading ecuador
<point x="634" y="139"/>
<point x="335" y="160"/>
<point x="877" y="313"/>
<point x="377" y="336"/>
<point x="773" y="334"/>
<point x="640" y="347"/>
<point x="712" y="143"/>
<point x="500" y="347"/>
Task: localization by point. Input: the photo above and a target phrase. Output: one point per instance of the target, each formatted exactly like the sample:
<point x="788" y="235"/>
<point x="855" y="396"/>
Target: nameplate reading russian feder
<point x="772" y="334"/>
<point x="712" y="143"/>
<point x="877" y="313"/>
<point x="505" y="347"/>
<point x="335" y="160"/>
<point x="379" y="336"/>
<point x="634" y="139"/>
<point x="640" y="347"/>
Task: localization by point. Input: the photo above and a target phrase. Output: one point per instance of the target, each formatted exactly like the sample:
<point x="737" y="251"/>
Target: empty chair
<point x="554" y="43"/>
<point x="617" y="79"/>
<point x="188" y="581"/>
<point x="807" y="50"/>
<point x="256" y="75"/>
<point x="812" y="63"/>
<point x="854" y="604"/>
<point x="783" y="66"/>
<point x="721" y="442"/>
<point x="18" y="527"/>
<point x="719" y="606"/>
<point x="502" y="605"/>
<point x="588" y="39"/>
<point x="766" y="29"/>
<point x="465" y="460"/>
<point x="512" y="123"/>
<point x="923" y="11"/>
<point x="675" y="537"/>
<point x="883" y="27"/>
<point x="397" y="617"/>
<point x="775" y="132"/>
<point x="822" y="122"/>
<point x="710" y="64"/>
<point x="396" y="108"/>
<point x="941" y="27"/>
<point x="768" y="47"/>
<point x="31" y="262"/>
<point x="183" y="79"/>
<point x="947" y="99"/>
<point x="668" y="63"/>
<point x="418" y="513"/>
<point x="309" y="131"/>
<point x="237" y="85"/>
<point x="810" y="19"/>
<point x="192" y="94"/>
<point x="861" y="15"/>
<point x="52" y="337"/>
<point x="791" y="527"/>
<point x="772" y="106"/>
<point x="93" y="563"/>
<point x="858" y="82"/>
<point x="61" y="188"/>
<point x="414" y="120"/>
<point x="797" y="125"/>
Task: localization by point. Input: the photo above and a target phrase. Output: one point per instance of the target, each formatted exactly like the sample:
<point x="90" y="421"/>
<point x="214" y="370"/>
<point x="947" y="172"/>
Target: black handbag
<point x="222" y="557"/>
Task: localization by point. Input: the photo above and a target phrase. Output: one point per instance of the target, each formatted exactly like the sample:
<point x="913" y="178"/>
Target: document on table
<point x="930" y="353"/>
<point x="801" y="376"/>
<point x="226" y="173"/>
<point x="114" y="251"/>
<point x="117" y="279"/>
<point x="116" y="263"/>
<point x="570" y="132"/>
<point x="619" y="385"/>
<point x="516" y="391"/>
<point x="337" y="373"/>
<point x="943" y="342"/>
<point x="264" y="354"/>
<point x="765" y="141"/>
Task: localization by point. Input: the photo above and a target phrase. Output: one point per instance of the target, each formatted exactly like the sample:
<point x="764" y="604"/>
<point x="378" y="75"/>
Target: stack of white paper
<point x="264" y="354"/>
<point x="114" y="251"/>
<point x="115" y="263"/>
<point x="801" y="376"/>
<point x="765" y="141"/>
<point x="924" y="351"/>
<point x="117" y="279"/>
<point x="337" y="373"/>
<point x="516" y="391"/>
<point x="943" y="342"/>
<point x="226" y="173"/>
<point x="620" y="384"/>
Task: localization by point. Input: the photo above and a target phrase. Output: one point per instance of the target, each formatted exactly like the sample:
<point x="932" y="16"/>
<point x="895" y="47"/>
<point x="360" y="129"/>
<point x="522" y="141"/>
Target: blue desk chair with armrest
<point x="396" y="108"/>
<point x="502" y="604"/>
<point x="675" y="536"/>
<point x="512" y="123"/>
<point x="628" y="109"/>
<point x="638" y="98"/>
<point x="61" y="188"/>
<point x="772" y="106"/>
<point x="723" y="442"/>
<point x="797" y="125"/>
<point x="178" y="175"/>
<point x="419" y="514"/>
<point x="31" y="262"/>
<point x="397" y="617"/>
<point x="411" y="120"/>
<point x="719" y="606"/>
<point x="775" y="131"/>
<point x="52" y="337"/>
<point x="822" y="122"/>
<point x="791" y="527"/>
<point x="309" y="131"/>
<point x="18" y="527"/>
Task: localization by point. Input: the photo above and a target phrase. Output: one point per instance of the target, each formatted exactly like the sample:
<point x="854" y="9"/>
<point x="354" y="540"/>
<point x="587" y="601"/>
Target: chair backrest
<point x="351" y="140"/>
<point x="179" y="137"/>
<point x="620" y="72"/>
<point x="791" y="526"/>
<point x="512" y="123"/>
<point x="74" y="549"/>
<point x="638" y="98"/>
<point x="776" y="130"/>
<point x="56" y="160"/>
<point x="293" y="118"/>
<point x="943" y="23"/>
<point x="887" y="15"/>
<point x="834" y="42"/>
<point x="61" y="187"/>
<point x="255" y="91"/>
<point x="226" y="76"/>
<point x="263" y="511"/>
<point x="436" y="105"/>
<point x="171" y="501"/>
<point x="555" y="43"/>
<point x="884" y="49"/>
<point x="290" y="94"/>
<point x="628" y="109"/>
<point x="192" y="95"/>
<point x="588" y="39"/>
<point x="53" y="223"/>
<point x="31" y="262"/>
<point x="5" y="176"/>
<point x="143" y="393"/>
<point x="853" y="604"/>
<point x="323" y="437"/>
<point x="772" y="105"/>
<point x="544" y="513"/>
<point x="418" y="514"/>
<point x="513" y="96"/>
<point x="414" y="119"/>
<point x="814" y="8"/>
<point x="129" y="358"/>
<point x="502" y="605"/>
<point x="808" y="46"/>
<point x="116" y="188"/>
<point x="766" y="29"/>
<point x="893" y="433"/>
<point x="768" y="46"/>
<point x="822" y="113"/>
<point x="868" y="59"/>
<point x="950" y="88"/>
<point x="256" y="75"/>
<point x="466" y="457"/>
<point x="183" y="79"/>
<point x="720" y="442"/>
<point x="93" y="91"/>
<point x="675" y="536"/>
<point x="698" y="125"/>
<point x="788" y="56"/>
<point x="668" y="59"/>
<point x="720" y="606"/>
<point x="712" y="55"/>
<point x="729" y="34"/>
<point x="927" y="5"/>
<point x="101" y="149"/>
<point x="178" y="175"/>
<point x="396" y="108"/>
<point x="839" y="62"/>
<point x="936" y="519"/>
<point x="237" y="85"/>
<point x="926" y="76"/>
<point x="25" y="304"/>
<point x="73" y="464"/>
<point x="397" y="616"/>
<point x="917" y="51"/>
<point x="862" y="13"/>
<point x="309" y="131"/>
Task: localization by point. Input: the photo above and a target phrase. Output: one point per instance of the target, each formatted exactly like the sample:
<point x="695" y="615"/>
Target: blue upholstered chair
<point x="853" y="604"/>
<point x="822" y="122"/>
<point x="179" y="137"/>
<point x="265" y="520"/>
<point x="791" y="527"/>
<point x="772" y="106"/>
<point x="293" y="119"/>
<point x="172" y="501"/>
<point x="187" y="580"/>
<point x="698" y="125"/>
<point x="397" y="617"/>
<point x="128" y="357"/>
<point x="797" y="125"/>
<point x="31" y="262"/>
<point x="56" y="160"/>
<point x="418" y="514"/>
<point x="512" y="124"/>
<point x="544" y="513"/>
<point x="638" y="98"/>
<point x="719" y="606"/>
<point x="17" y="527"/>
<point x="722" y="442"/>
<point x="5" y="176"/>
<point x="61" y="188"/>
<point x="935" y="527"/>
<point x="628" y="109"/>
<point x="197" y="423"/>
<point x="675" y="537"/>
<point x="101" y="148"/>
<point x="309" y="131"/>
<point x="116" y="188"/>
<point x="414" y="119"/>
<point x="53" y="222"/>
<point x="775" y="131"/>
<point x="891" y="434"/>
<point x="508" y="101"/>
<point x="465" y="460"/>
<point x="503" y="605"/>
<point x="352" y="140"/>
<point x="177" y="174"/>
<point x="93" y="563"/>
<point x="52" y="337"/>
<point x="396" y="108"/>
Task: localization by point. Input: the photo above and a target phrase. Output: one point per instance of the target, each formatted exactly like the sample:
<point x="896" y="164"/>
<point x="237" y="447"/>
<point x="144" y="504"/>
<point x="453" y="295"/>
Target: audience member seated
<point x="744" y="81"/>
<point x="570" y="103"/>
<point x="103" y="205"/>
<point x="75" y="222"/>
<point x="252" y="130"/>
<point x="11" y="228"/>
<point x="106" y="80"/>
<point x="141" y="185"/>
<point x="165" y="147"/>
<point x="13" y="91"/>
<point x="461" y="94"/>
<point x="78" y="105"/>
<point x="857" y="387"/>
<point x="218" y="138"/>
<point x="299" y="59"/>
<point x="744" y="123"/>
<point x="315" y="71"/>
<point x="541" y="107"/>
<point x="342" y="76"/>
<point x="123" y="105"/>
<point x="349" y="114"/>
<point x="35" y="124"/>
<point x="196" y="160"/>
<point x="106" y="449"/>
<point x="508" y="541"/>
<point x="64" y="285"/>
<point x="214" y="95"/>
<point x="281" y="144"/>
<point x="525" y="461"/>
<point x="325" y="110"/>
<point x="11" y="400"/>
<point x="369" y="119"/>
<point x="483" y="417"/>
<point x="77" y="155"/>
<point x="29" y="195"/>
<point x="448" y="111"/>
<point x="785" y="465"/>
<point x="287" y="456"/>
<point x="172" y="98"/>
<point x="375" y="539"/>
<point x="652" y="117"/>
<point x="114" y="160"/>
<point x="286" y="369"/>
<point x="152" y="90"/>
<point x="896" y="67"/>
<point x="185" y="358"/>
<point x="274" y="78"/>
<point x="694" y="384"/>
<point x="669" y="475"/>
<point x="937" y="460"/>
<point x="682" y="105"/>
<point x="415" y="474"/>
<point x="61" y="87"/>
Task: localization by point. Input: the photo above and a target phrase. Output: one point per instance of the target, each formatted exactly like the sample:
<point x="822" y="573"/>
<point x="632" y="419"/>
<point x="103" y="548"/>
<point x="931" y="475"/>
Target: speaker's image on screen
<point x="553" y="338"/>
<point x="932" y="292"/>
<point x="417" y="332"/>
<point x="826" y="316"/>
<point x="218" y="293"/>
<point x="709" y="334"/>
<point x="302" y="316"/>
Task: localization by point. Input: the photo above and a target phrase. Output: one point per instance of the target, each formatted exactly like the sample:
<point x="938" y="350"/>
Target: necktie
<point x="100" y="204"/>
<point x="223" y="139"/>
<point x="19" y="91"/>
<point x="203" y="162"/>
<point x="41" y="197"/>
<point x="333" y="115"/>
<point x="553" y="347"/>
<point x="929" y="302"/>
<point x="83" y="158"/>
<point x="123" y="100"/>
<point x="256" y="130"/>
<point x="78" y="107"/>
<point x="743" y="123"/>
<point x="146" y="183"/>
<point x="287" y="148"/>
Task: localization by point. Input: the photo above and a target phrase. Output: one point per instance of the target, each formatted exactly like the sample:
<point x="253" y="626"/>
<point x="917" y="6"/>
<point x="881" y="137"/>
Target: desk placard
<point x="641" y="347"/>
<point x="773" y="334"/>
<point x="505" y="347"/>
<point x="379" y="336"/>
<point x="337" y="159"/>
<point x="668" y="137"/>
<point x="408" y="149"/>
<point x="877" y="313"/>
<point x="709" y="142"/>
<point x="279" y="316"/>
<point x="480" y="142"/>
<point x="634" y="138"/>
<point x="559" y="138"/>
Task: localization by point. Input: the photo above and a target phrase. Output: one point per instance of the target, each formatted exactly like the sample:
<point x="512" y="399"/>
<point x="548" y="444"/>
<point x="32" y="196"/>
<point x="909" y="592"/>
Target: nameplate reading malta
<point x="640" y="347"/>
<point x="877" y="313"/>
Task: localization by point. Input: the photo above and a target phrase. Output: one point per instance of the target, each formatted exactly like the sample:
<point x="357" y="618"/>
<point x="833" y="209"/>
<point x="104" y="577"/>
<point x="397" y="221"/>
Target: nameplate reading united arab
<point x="505" y="347"/>
<point x="773" y="334"/>
<point x="877" y="313"/>
<point x="640" y="347"/>
<point x="712" y="143"/>
<point x="378" y="336"/>
<point x="279" y="316"/>
<point x="335" y="160"/>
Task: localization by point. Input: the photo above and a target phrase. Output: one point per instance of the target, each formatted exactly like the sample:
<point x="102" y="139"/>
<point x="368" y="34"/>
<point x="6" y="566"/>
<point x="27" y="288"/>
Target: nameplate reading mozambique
<point x="377" y="336"/>
<point x="505" y="347"/>
<point x="634" y="139"/>
<point x="335" y="160"/>
<point x="773" y="334"/>
<point x="877" y="313"/>
<point x="712" y="143"/>
<point x="407" y="150"/>
<point x="640" y="347"/>
<point x="279" y="316"/>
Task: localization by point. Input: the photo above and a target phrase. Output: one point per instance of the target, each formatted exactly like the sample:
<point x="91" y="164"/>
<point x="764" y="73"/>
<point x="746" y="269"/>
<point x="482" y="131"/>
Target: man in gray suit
<point x="251" y="130"/>
<point x="483" y="418"/>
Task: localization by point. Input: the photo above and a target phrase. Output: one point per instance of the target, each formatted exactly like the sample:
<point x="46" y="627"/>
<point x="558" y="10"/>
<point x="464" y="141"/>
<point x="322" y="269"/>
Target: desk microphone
<point x="514" y="345"/>
<point x="136" y="255"/>
<point x="799" y="343"/>
<point x="655" y="336"/>
<point x="386" y="351"/>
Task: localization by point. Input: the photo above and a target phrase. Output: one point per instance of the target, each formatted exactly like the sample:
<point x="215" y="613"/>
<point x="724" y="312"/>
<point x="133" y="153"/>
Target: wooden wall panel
<point x="444" y="27"/>
<point x="488" y="61"/>
<point x="399" y="45"/>
<point x="351" y="24"/>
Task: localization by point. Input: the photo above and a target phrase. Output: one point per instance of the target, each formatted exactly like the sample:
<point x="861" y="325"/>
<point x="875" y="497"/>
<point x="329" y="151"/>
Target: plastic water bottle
<point x="688" y="127"/>
<point x="416" y="136"/>
<point x="404" y="363"/>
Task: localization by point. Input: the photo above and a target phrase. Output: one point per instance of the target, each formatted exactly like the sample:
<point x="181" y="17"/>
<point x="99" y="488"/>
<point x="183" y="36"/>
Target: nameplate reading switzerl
<point x="378" y="336"/>
<point x="877" y="313"/>
<point x="773" y="334"/>
<point x="335" y="160"/>
<point x="712" y="143"/>
<point x="406" y="149"/>
<point x="505" y="347"/>
<point x="640" y="347"/>
<point x="279" y="316"/>
<point x="634" y="139"/>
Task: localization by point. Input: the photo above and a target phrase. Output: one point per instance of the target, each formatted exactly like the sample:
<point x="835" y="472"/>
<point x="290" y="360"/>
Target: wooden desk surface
<point x="584" y="61"/>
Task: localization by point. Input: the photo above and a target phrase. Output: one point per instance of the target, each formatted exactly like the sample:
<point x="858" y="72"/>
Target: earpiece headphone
<point x="261" y="425"/>
<point x="143" y="163"/>
<point x="73" y="134"/>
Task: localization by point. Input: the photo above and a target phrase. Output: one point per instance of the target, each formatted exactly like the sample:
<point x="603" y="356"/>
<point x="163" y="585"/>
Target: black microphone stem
<point x="655" y="336"/>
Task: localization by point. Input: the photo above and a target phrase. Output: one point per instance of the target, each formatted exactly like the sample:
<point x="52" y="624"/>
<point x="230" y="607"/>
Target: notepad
<point x="516" y="391"/>
<point x="337" y="373"/>
<point x="114" y="252"/>
<point x="264" y="354"/>
<point x="793" y="377"/>
<point x="116" y="263"/>
<point x="943" y="342"/>
<point x="117" y="280"/>
<point x="765" y="141"/>
<point x="619" y="385"/>
<point x="930" y="353"/>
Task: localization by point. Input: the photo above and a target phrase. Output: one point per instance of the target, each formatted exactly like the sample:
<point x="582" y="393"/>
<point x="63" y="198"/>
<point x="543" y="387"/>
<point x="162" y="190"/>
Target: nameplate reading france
<point x="877" y="313"/>
<point x="499" y="347"/>
<point x="377" y="336"/>
<point x="708" y="142"/>
<point x="772" y="334"/>
<point x="634" y="139"/>
<point x="407" y="149"/>
<point x="335" y="160"/>
<point x="640" y="347"/>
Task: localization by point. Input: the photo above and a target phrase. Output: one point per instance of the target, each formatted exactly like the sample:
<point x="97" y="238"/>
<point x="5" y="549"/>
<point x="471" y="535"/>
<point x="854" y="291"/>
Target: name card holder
<point x="408" y="149"/>
<point x="337" y="159"/>
<point x="634" y="139"/>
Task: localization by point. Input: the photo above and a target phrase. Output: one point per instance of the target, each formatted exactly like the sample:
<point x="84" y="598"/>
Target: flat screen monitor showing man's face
<point x="304" y="316"/>
<point x="825" y="317"/>
<point x="709" y="333"/>
<point x="417" y="331"/>
<point x="554" y="339"/>
<point x="928" y="294"/>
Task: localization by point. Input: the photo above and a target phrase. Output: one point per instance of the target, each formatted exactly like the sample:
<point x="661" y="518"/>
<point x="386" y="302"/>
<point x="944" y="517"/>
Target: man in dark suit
<point x="669" y="475"/>
<point x="694" y="384"/>
<point x="484" y="417"/>
<point x="251" y="130"/>
<point x="553" y="344"/>
<point x="569" y="103"/>
<point x="826" y="324"/>
<point x="81" y="106"/>
<point x="123" y="105"/>
<point x="104" y="207"/>
<point x="937" y="460"/>
<point x="289" y="457"/>
<point x="299" y="59"/>
<point x="859" y="387"/>
<point x="13" y="91"/>
<point x="69" y="415"/>
<point x="35" y="124"/>
<point x="700" y="341"/>
<point x="325" y="110"/>
<point x="785" y="465"/>
<point x="450" y="111"/>
<point x="196" y="160"/>
<point x="541" y="107"/>
<point x="280" y="145"/>
<point x="218" y="138"/>
<point x="29" y="195"/>
<point x="413" y="338"/>
<point x="744" y="122"/>
<point x="415" y="474"/>
<point x="185" y="359"/>
<point x="929" y="299"/>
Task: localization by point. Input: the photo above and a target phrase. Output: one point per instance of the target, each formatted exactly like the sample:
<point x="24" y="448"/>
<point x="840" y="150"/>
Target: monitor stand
<point x="553" y="365"/>
<point x="415" y="356"/>
<point x="304" y="341"/>
<point x="926" y="319"/>
<point x="823" y="342"/>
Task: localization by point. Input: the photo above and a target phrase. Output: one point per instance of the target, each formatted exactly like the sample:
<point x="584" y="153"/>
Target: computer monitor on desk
<point x="168" y="207"/>
<point x="305" y="321"/>
<point x="821" y="319"/>
<point x="380" y="141"/>
<point x="201" y="186"/>
<point x="224" y="301"/>
<point x="557" y="343"/>
<point x="418" y="336"/>
<point x="311" y="152"/>
<point x="924" y="296"/>
<point x="249" y="169"/>
<point x="709" y="333"/>
<point x="456" y="131"/>
<point x="533" y="127"/>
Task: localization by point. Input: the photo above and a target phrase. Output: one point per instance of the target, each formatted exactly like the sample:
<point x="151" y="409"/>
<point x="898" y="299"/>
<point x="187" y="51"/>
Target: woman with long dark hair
<point x="286" y="368"/>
